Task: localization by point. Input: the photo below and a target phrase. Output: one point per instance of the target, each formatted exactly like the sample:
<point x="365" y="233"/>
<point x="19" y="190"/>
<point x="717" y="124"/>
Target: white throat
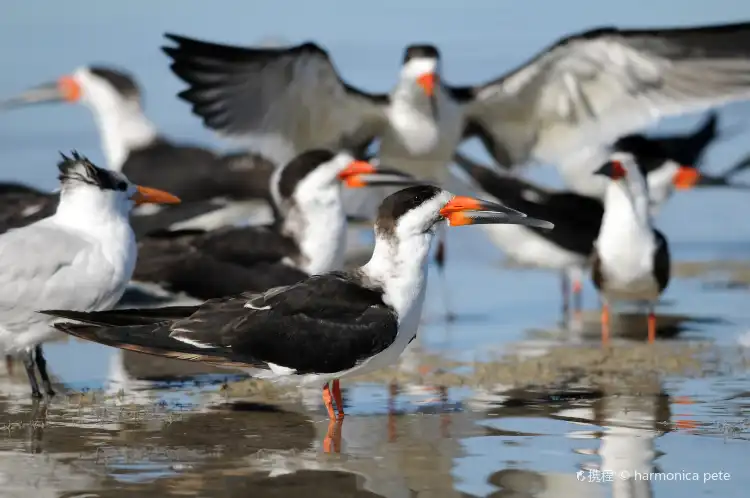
<point x="123" y="127"/>
<point x="626" y="241"/>
<point x="318" y="225"/>
<point x="104" y="220"/>
<point x="411" y="114"/>
<point x="399" y="265"/>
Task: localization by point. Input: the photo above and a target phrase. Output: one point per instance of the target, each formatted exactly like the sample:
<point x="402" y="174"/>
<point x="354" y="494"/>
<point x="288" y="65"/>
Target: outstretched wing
<point x="593" y="87"/>
<point x="279" y="101"/>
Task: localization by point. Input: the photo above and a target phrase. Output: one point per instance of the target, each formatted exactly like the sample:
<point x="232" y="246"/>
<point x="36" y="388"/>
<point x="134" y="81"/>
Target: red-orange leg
<point x="651" y="325"/>
<point x="328" y="402"/>
<point x="605" y="323"/>
<point x="337" y="398"/>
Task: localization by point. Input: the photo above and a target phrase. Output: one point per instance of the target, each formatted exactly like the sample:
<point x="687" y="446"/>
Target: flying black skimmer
<point x="578" y="95"/>
<point x="132" y="144"/>
<point x="308" y="236"/>
<point x="81" y="258"/>
<point x="577" y="218"/>
<point x="630" y="258"/>
<point x="321" y="329"/>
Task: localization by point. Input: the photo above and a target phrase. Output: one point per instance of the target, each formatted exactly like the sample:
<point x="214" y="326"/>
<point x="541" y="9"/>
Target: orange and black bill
<point x="363" y="174"/>
<point x="463" y="210"/>
<point x="65" y="89"/>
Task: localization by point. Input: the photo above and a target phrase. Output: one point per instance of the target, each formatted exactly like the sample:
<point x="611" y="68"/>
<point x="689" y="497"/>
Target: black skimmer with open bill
<point x="581" y="93"/>
<point x="133" y="145"/>
<point x="321" y="329"/>
<point x="577" y="218"/>
<point x="631" y="258"/>
<point x="80" y="258"/>
<point x="308" y="236"/>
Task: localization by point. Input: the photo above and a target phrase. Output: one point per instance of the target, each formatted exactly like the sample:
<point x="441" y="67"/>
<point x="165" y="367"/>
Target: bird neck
<point x="89" y="209"/>
<point x="318" y="226"/>
<point x="123" y="127"/>
<point x="399" y="266"/>
<point x="627" y="219"/>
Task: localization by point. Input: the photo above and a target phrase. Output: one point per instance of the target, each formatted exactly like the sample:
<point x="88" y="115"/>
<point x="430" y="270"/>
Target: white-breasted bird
<point x="321" y="329"/>
<point x="631" y="258"/>
<point x="81" y="257"/>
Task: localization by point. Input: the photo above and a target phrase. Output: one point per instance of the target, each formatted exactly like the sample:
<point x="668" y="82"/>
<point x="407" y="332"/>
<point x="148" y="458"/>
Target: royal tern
<point x="79" y="258"/>
<point x="321" y="329"/>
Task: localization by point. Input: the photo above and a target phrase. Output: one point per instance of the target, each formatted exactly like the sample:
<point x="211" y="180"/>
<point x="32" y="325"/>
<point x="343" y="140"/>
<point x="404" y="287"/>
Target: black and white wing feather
<point x="596" y="86"/>
<point x="325" y="324"/>
<point x="279" y="101"/>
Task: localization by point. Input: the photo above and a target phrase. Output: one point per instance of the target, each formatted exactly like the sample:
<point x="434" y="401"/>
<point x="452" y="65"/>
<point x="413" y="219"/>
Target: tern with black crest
<point x="80" y="258"/>
<point x="321" y="329"/>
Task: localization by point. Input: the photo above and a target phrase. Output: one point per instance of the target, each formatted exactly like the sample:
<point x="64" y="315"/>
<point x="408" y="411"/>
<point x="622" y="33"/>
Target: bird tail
<point x="141" y="330"/>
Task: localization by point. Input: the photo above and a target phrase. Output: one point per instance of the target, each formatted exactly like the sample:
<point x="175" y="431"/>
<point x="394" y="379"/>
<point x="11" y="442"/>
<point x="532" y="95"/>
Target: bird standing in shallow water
<point x="322" y="329"/>
<point x="631" y="258"/>
<point x="81" y="258"/>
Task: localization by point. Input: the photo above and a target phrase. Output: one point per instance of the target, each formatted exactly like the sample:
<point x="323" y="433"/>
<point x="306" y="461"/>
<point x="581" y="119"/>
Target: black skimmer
<point x="321" y="329"/>
<point x="583" y="92"/>
<point x="81" y="257"/>
<point x="577" y="218"/>
<point x="308" y="236"/>
<point x="630" y="258"/>
<point x="133" y="145"/>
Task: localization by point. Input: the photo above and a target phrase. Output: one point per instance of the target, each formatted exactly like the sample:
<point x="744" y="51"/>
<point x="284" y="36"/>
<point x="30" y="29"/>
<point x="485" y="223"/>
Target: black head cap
<point x="423" y="51"/>
<point x="121" y="81"/>
<point x="299" y="167"/>
<point x="77" y="170"/>
<point x="398" y="204"/>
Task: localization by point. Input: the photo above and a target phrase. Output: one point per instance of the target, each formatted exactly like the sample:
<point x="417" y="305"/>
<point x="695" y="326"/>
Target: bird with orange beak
<point x="631" y="258"/>
<point x="322" y="329"/>
<point x="81" y="258"/>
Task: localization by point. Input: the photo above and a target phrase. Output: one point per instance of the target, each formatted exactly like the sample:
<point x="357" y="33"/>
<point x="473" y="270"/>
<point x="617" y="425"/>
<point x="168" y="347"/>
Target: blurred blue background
<point x="479" y="40"/>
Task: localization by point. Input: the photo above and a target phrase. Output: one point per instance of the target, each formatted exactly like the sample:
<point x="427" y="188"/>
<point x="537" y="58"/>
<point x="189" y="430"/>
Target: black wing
<point x="324" y="324"/>
<point x="208" y="265"/>
<point x="196" y="174"/>
<point x="279" y="101"/>
<point x="662" y="263"/>
<point x="594" y="87"/>
<point x="21" y="205"/>
<point x="327" y="323"/>
<point x="577" y="218"/>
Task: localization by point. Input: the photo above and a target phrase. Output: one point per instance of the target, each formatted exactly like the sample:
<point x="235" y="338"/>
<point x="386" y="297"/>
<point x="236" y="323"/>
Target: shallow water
<point x="502" y="402"/>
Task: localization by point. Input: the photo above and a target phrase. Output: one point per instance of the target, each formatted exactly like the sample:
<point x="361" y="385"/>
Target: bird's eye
<point x="122" y="186"/>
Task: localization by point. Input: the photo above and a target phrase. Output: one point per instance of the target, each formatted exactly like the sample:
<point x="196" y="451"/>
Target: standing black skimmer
<point x="308" y="236"/>
<point x="132" y="144"/>
<point x="631" y="258"/>
<point x="321" y="329"/>
<point x="577" y="218"/>
<point x="81" y="257"/>
<point x="578" y="95"/>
